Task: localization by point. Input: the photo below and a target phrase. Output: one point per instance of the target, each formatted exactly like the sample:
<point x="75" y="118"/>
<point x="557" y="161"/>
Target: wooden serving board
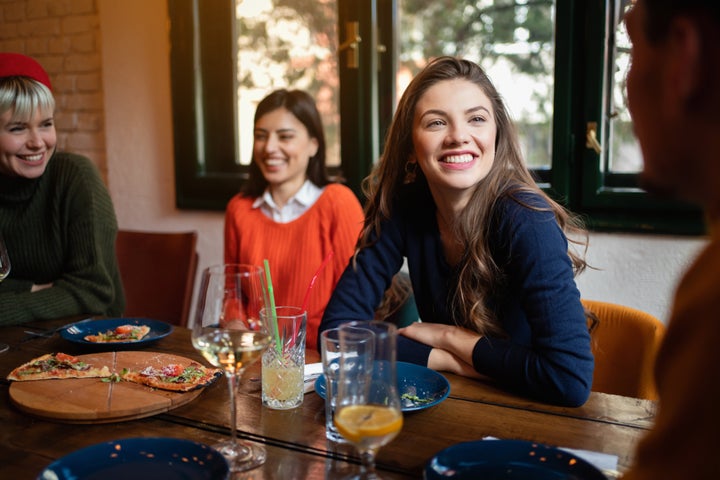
<point x="90" y="400"/>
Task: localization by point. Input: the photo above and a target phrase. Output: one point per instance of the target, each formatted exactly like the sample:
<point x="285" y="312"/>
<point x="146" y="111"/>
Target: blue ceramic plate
<point x="508" y="460"/>
<point x="140" y="459"/>
<point x="419" y="386"/>
<point x="77" y="334"/>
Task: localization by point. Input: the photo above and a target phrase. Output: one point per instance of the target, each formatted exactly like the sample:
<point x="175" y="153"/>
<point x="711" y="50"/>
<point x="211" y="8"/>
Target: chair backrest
<point x="158" y="273"/>
<point x="625" y="342"/>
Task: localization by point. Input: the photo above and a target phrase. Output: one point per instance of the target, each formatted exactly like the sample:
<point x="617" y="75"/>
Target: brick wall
<point x="64" y="36"/>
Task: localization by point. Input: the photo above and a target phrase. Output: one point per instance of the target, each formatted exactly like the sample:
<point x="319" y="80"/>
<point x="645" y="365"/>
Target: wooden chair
<point x="158" y="273"/>
<point x="625" y="342"/>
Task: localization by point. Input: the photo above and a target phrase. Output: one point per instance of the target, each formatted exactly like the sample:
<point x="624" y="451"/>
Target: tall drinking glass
<point x="229" y="332"/>
<point x="4" y="272"/>
<point x="355" y="349"/>
<point x="368" y="411"/>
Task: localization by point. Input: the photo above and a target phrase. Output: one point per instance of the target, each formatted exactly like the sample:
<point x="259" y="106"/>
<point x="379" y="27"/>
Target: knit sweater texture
<point x="546" y="351"/>
<point x="59" y="228"/>
<point x="295" y="250"/>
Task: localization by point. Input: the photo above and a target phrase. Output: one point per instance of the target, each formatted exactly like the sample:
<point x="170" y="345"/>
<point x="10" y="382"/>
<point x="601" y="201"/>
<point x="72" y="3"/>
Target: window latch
<point x="591" y="140"/>
<point x="353" y="39"/>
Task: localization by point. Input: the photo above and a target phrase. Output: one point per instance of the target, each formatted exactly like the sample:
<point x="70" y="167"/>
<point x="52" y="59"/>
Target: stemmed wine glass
<point x="368" y="411"/>
<point x="4" y="272"/>
<point x="229" y="332"/>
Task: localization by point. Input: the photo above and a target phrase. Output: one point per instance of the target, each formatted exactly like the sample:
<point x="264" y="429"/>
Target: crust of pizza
<point x="102" y="337"/>
<point x="57" y="366"/>
<point x="175" y="378"/>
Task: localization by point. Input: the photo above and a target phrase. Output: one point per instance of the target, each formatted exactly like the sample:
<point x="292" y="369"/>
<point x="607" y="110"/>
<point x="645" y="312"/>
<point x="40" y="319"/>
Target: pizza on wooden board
<point x="122" y="333"/>
<point x="57" y="366"/>
<point x="173" y="377"/>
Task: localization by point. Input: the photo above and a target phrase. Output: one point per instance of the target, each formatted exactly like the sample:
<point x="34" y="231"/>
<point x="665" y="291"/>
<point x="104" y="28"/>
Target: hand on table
<point x="452" y="346"/>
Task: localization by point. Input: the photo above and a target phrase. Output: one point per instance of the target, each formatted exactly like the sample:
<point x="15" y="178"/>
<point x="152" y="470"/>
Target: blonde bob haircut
<point x="24" y="96"/>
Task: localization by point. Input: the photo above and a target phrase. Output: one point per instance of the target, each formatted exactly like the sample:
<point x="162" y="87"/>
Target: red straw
<point x="314" y="278"/>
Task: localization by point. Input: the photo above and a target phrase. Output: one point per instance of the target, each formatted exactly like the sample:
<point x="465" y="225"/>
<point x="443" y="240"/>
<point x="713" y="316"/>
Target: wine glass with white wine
<point x="229" y="332"/>
<point x="4" y="272"/>
<point x="368" y="411"/>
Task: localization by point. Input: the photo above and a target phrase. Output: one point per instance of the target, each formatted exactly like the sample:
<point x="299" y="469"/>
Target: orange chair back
<point x="158" y="273"/>
<point x="625" y="342"/>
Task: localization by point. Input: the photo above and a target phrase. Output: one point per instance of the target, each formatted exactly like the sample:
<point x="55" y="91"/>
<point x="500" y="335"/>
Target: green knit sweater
<point x="59" y="228"/>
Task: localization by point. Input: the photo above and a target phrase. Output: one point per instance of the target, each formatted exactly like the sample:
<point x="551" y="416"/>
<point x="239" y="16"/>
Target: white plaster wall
<point x="635" y="270"/>
<point x="138" y="122"/>
<point x="639" y="271"/>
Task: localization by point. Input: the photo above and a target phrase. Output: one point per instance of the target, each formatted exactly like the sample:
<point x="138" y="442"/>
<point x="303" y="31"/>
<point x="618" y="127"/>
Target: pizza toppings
<point x="122" y="333"/>
<point x="58" y="361"/>
<point x="57" y="365"/>
<point x="174" y="377"/>
<point x="115" y="377"/>
<point x="174" y="373"/>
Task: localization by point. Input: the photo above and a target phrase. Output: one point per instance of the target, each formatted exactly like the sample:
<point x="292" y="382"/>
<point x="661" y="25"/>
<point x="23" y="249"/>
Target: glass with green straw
<point x="271" y="305"/>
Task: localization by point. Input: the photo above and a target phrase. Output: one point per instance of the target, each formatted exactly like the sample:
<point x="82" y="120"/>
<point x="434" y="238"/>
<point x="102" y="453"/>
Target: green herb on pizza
<point x="174" y="377"/>
<point x="57" y="365"/>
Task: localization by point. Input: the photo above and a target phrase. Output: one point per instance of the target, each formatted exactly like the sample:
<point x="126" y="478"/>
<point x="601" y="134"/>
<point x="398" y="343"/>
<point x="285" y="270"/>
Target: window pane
<point x="514" y="42"/>
<point x="287" y="44"/>
<point x="624" y="154"/>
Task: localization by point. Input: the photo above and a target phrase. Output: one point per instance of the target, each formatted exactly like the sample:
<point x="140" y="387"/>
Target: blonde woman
<point x="55" y="212"/>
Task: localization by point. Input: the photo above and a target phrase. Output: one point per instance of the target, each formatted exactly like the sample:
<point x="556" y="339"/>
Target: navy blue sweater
<point x="546" y="354"/>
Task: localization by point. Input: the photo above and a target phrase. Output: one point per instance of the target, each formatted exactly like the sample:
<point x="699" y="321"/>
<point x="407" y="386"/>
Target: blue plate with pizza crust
<point x="76" y="332"/>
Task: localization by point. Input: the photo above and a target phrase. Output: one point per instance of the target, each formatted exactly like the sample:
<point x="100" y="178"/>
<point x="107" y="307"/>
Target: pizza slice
<point x="57" y="365"/>
<point x="173" y="377"/>
<point x="122" y="333"/>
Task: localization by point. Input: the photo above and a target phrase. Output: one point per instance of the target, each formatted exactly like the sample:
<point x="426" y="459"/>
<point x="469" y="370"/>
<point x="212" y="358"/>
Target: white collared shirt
<point x="295" y="206"/>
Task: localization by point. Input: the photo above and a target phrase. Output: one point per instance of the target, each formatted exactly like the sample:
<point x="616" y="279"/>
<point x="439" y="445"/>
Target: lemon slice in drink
<point x="358" y="422"/>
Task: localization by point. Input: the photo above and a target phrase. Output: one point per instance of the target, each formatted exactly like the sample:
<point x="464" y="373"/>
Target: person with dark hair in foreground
<point x="674" y="99"/>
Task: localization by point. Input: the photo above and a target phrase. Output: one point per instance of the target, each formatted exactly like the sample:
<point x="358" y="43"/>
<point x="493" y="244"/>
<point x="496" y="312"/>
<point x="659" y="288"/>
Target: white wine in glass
<point x="4" y="272"/>
<point x="368" y="412"/>
<point x="229" y="332"/>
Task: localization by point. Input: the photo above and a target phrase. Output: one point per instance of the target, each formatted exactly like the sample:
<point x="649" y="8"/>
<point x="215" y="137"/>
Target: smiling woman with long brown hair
<point x="486" y="249"/>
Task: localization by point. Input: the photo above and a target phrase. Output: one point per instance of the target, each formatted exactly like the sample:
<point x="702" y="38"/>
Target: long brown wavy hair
<point x="479" y="275"/>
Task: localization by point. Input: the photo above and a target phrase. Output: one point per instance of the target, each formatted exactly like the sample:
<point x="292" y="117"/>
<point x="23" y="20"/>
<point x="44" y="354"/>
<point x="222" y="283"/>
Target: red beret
<point x="18" y="65"/>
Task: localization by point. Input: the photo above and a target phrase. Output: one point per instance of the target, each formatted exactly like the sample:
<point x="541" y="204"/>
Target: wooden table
<point x="295" y="439"/>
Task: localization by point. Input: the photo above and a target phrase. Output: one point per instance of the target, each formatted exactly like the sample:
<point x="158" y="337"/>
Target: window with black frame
<point x="560" y="64"/>
<point x="226" y="56"/>
<point x="609" y="157"/>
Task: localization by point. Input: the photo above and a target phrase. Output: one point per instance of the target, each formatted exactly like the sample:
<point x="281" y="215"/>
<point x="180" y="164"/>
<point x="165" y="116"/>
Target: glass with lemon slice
<point x="368" y="412"/>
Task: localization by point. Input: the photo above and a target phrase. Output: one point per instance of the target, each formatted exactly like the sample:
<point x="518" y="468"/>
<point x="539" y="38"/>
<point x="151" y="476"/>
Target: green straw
<point x="273" y="313"/>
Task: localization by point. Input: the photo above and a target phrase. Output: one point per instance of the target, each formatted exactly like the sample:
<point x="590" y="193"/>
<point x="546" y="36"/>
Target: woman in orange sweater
<point x="288" y="211"/>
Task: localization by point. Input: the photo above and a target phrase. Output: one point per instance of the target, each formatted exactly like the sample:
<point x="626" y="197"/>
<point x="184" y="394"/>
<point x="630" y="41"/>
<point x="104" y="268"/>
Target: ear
<point x="684" y="70"/>
<point x="313" y="147"/>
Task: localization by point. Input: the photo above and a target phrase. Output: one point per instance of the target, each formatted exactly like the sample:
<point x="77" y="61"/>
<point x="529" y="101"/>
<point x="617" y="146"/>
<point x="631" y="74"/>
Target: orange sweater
<point x="296" y="249"/>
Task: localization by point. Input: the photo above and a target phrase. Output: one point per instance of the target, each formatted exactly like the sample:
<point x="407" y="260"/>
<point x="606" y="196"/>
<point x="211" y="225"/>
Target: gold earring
<point x="410" y="171"/>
